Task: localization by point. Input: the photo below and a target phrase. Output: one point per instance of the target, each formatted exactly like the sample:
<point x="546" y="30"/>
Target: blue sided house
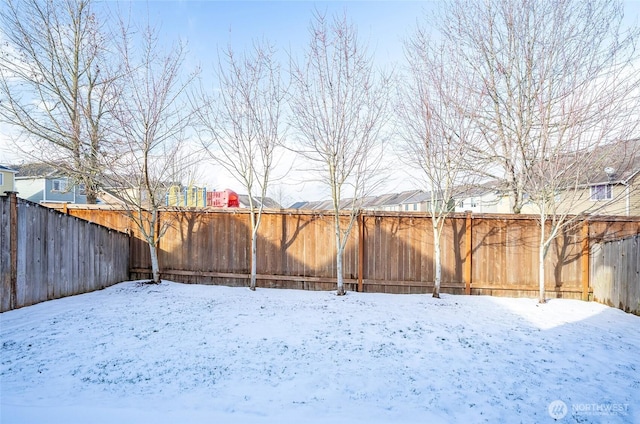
<point x="42" y="183"/>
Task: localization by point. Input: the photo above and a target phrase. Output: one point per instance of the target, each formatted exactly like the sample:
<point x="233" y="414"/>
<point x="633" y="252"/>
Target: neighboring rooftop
<point x="36" y="170"/>
<point x="7" y="169"/>
<point x="268" y="202"/>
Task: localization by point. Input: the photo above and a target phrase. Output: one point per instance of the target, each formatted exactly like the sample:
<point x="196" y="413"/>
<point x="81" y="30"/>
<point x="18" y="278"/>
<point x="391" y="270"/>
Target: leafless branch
<point x="56" y="82"/>
<point x="242" y="127"/>
<point x="339" y="111"/>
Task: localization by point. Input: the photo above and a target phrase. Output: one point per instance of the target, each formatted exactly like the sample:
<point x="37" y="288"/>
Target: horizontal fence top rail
<point x="57" y="208"/>
<point x="362" y="212"/>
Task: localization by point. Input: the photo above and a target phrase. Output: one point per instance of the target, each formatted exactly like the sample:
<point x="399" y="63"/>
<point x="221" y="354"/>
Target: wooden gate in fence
<point x="615" y="273"/>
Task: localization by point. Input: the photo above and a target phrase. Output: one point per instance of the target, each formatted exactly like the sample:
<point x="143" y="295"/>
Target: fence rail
<point x="388" y="252"/>
<point x="45" y="254"/>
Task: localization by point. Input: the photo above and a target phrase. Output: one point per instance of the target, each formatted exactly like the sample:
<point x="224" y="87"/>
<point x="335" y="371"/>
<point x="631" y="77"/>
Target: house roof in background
<point x="267" y="202"/>
<point x="611" y="163"/>
<point x="477" y="190"/>
<point x="37" y="170"/>
<point x="370" y="202"/>
<point x="622" y="158"/>
<point x="298" y="205"/>
<point x="317" y="205"/>
<point x="7" y="169"/>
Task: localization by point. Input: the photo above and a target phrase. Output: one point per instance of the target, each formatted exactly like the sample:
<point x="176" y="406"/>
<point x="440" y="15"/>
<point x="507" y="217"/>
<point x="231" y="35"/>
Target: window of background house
<point x="601" y="192"/>
<point x="59" y="185"/>
<point x="1" y="179"/>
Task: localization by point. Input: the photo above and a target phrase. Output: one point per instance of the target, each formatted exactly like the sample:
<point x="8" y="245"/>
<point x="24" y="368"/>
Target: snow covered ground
<point x="205" y="354"/>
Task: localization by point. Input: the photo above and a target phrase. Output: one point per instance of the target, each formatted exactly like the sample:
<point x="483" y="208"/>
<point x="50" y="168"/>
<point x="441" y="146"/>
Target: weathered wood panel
<point x="505" y="258"/>
<point x="399" y="251"/>
<point x="58" y="255"/>
<point x="606" y="228"/>
<point x="6" y="283"/>
<point x="615" y="273"/>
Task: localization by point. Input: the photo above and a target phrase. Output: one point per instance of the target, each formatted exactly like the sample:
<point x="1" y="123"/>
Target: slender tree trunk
<point x="153" y="247"/>
<point x="339" y="254"/>
<point x="517" y="207"/>
<point x="254" y="245"/>
<point x="254" y="259"/>
<point x="437" y="261"/>
<point x="155" y="267"/>
<point x="541" y="255"/>
<point x="92" y="196"/>
<point x="341" y="291"/>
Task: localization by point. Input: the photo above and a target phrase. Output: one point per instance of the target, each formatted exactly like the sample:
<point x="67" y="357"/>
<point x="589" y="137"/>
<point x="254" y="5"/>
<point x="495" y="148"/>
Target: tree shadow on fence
<point x="297" y="250"/>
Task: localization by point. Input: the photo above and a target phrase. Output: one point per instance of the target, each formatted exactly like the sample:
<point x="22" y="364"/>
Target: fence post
<point x="585" y="260"/>
<point x="131" y="251"/>
<point x="468" y="251"/>
<point x="13" y="249"/>
<point x="360" y="251"/>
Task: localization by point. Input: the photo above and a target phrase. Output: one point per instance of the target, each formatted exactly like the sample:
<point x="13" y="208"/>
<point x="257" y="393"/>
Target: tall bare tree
<point x="339" y="109"/>
<point x="527" y="60"/>
<point x="153" y="114"/>
<point x="243" y="126"/>
<point x="56" y="84"/>
<point x="434" y="130"/>
<point x="554" y="79"/>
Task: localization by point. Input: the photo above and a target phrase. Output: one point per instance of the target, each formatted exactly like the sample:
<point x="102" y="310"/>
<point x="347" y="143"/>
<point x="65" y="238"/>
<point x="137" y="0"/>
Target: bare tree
<point x="554" y="80"/>
<point x="525" y="60"/>
<point x="55" y="84"/>
<point x="152" y="114"/>
<point x="573" y="183"/>
<point x="243" y="125"/>
<point x="339" y="109"/>
<point x="434" y="131"/>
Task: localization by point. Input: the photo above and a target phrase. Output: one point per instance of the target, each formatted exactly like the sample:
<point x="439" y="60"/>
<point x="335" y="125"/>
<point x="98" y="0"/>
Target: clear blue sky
<point x="209" y="25"/>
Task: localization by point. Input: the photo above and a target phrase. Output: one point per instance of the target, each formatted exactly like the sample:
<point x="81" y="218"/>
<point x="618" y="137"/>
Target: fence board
<point x="615" y="273"/>
<point x="5" y="257"/>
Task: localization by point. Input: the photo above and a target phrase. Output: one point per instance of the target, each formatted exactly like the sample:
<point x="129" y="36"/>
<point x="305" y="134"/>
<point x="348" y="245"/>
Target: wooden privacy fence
<point x="388" y="252"/>
<point x="615" y="273"/>
<point x="45" y="254"/>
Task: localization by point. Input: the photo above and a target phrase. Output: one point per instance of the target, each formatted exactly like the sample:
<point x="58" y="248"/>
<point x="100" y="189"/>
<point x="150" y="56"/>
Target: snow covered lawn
<point x="177" y="353"/>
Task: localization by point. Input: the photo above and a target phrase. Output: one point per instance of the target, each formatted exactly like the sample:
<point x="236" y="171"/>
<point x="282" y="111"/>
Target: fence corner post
<point x="585" y="261"/>
<point x="13" y="249"/>
<point x="468" y="252"/>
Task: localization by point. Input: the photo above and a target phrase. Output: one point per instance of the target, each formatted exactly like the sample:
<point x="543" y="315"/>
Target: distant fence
<point x="45" y="254"/>
<point x="615" y="273"/>
<point x="388" y="252"/>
